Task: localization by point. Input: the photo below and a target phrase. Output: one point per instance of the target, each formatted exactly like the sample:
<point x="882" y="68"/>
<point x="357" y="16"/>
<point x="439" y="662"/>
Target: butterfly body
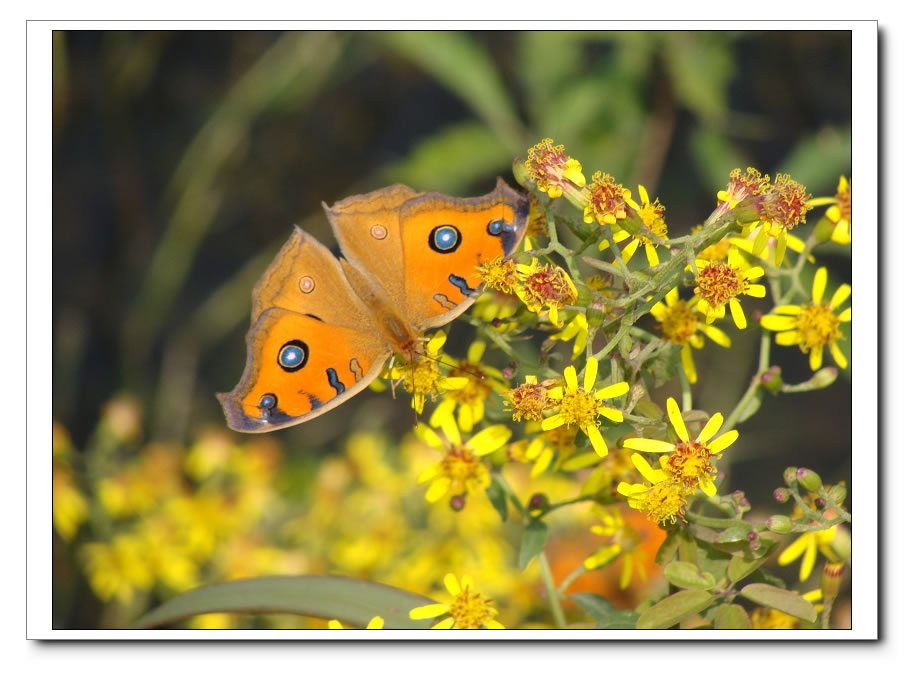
<point x="323" y="327"/>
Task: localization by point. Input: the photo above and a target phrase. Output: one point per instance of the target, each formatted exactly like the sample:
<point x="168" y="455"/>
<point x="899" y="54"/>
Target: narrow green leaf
<point x="783" y="600"/>
<point x="532" y="543"/>
<point x="604" y="614"/>
<point x="673" y="609"/>
<point x="731" y="617"/>
<point x="687" y="575"/>
<point x="752" y="406"/>
<point x="352" y="601"/>
<point x="497" y="497"/>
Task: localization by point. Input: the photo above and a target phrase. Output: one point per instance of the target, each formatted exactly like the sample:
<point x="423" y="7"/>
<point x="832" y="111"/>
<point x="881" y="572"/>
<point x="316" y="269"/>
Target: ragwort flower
<point x="606" y="200"/>
<point x="682" y="326"/>
<point x="468" y="610"/>
<point x="721" y="283"/>
<point x="812" y="326"/>
<point x="743" y="186"/>
<point x="552" y="169"/>
<point x="780" y="209"/>
<point x="651" y="216"/>
<point x="460" y="470"/>
<point x="688" y="463"/>
<point x="840" y="213"/>
<point x="546" y="286"/>
<point x="583" y="407"/>
<point x="530" y="399"/>
<point x="483" y="381"/>
<point x="422" y="377"/>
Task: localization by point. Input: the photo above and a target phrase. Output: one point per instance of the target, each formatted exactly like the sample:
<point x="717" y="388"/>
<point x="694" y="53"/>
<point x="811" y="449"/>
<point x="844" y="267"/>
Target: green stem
<point x="686" y="399"/>
<point x="551" y="592"/>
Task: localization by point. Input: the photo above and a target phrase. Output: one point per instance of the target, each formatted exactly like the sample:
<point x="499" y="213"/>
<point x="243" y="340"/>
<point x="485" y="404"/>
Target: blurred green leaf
<point x="700" y="67"/>
<point x="687" y="575"/>
<point x="497" y="497"/>
<point x="741" y="566"/>
<point x="352" y="601"/>
<point x="458" y="62"/>
<point x="667" y="549"/>
<point x="731" y="617"/>
<point x="673" y="609"/>
<point x="532" y="542"/>
<point x="818" y="160"/>
<point x="451" y="159"/>
<point x="783" y="600"/>
<point x="606" y="616"/>
<point x="715" y="157"/>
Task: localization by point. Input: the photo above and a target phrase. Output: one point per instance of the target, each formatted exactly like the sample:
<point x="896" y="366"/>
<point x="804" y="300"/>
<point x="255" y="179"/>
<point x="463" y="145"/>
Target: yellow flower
<point x="606" y="200"/>
<point x="743" y="186"/>
<point x="840" y="212"/>
<point x="70" y="508"/>
<point x="651" y="216"/>
<point x="460" y="470"/>
<point x="577" y="329"/>
<point x="546" y="286"/>
<point x="582" y="407"/>
<point x="812" y="326"/>
<point x="422" y="376"/>
<point x="662" y="501"/>
<point x="482" y="382"/>
<point x="625" y="541"/>
<point x="117" y="569"/>
<point x="720" y="283"/>
<point x="468" y="610"/>
<point x="780" y="209"/>
<point x="499" y="274"/>
<point x="689" y="463"/>
<point x="530" y="399"/>
<point x="376" y="623"/>
<point x="682" y="326"/>
<point x="552" y="169"/>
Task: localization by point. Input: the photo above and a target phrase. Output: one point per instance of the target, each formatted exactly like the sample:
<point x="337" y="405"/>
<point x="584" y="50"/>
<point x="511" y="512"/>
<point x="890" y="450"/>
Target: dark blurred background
<point x="181" y="160"/>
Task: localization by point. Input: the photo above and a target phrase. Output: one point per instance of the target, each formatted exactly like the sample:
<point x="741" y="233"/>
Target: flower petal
<point x="428" y="611"/>
<point x="652" y="255"/>
<point x="597" y="441"/>
<point x="840" y="295"/>
<point x="838" y="355"/>
<point x="772" y="322"/>
<point x="787" y="338"/>
<point x="756" y="290"/>
<point x="429" y="437"/>
<point x="793" y="551"/>
<point x="542" y="463"/>
<point x="717" y="335"/>
<point x="450" y="429"/>
<point x="437" y="341"/>
<point x="437" y="489"/>
<point x="707" y="486"/>
<point x="793" y="310"/>
<point x="612" y="414"/>
<point x="590" y="371"/>
<point x="816" y="358"/>
<point x="445" y="624"/>
<point x="723" y="442"/>
<point x="571" y="377"/>
<point x="712" y="426"/>
<point x="376" y="623"/>
<point x="429" y="472"/>
<point x="819" y="284"/>
<point x="451" y="584"/>
<point x="613" y="391"/>
<point x="649" y="445"/>
<point x="629" y="250"/>
<point x="676" y="419"/>
<point x="493" y="624"/>
<point x="442" y="412"/>
<point x="489" y="439"/>
<point x="644" y="468"/>
<point x="687" y="363"/>
<point x="845" y="316"/>
<point x="553" y="422"/>
<point x="737" y="314"/>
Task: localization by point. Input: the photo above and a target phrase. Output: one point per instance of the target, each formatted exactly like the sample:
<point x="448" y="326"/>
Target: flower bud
<point x="837" y="493"/>
<point x="808" y="479"/>
<point x="781" y="494"/>
<point x="819" y="503"/>
<point x="772" y="379"/>
<point x="538" y="503"/>
<point x="824" y="377"/>
<point x="457" y="503"/>
<point x="752" y="536"/>
<point x="790" y="476"/>
<point x="596" y="313"/>
<point x="830" y="581"/>
<point x="841" y="544"/>
<point x="780" y="524"/>
<point x="823" y="230"/>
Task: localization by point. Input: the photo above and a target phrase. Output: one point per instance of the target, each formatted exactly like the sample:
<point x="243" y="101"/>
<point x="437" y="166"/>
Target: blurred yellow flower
<point x="468" y="609"/>
<point x="119" y="569"/>
<point x="422" y="376"/>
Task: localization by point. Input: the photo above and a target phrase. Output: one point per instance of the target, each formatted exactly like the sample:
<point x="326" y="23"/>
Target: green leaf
<point x="783" y="600"/>
<point x="818" y="160"/>
<point x="741" y="566"/>
<point x="604" y="614"/>
<point x="497" y="497"/>
<point x="463" y="66"/>
<point x="687" y="575"/>
<point x="674" y="609"/>
<point x="731" y="617"/>
<point x="451" y="159"/>
<point x="532" y="543"/>
<point x="668" y="549"/>
<point x="352" y="601"/>
<point x="700" y="66"/>
<point x="735" y="533"/>
<point x="752" y="406"/>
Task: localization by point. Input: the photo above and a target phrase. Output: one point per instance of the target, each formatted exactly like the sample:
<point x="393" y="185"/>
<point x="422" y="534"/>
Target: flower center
<point x="580" y="407"/>
<point x="844" y="203"/>
<point x="651" y="214"/>
<point x="750" y="184"/>
<point x="477" y="388"/>
<point x="816" y="326"/>
<point x="690" y="463"/>
<point x="548" y="285"/>
<point x="679" y="323"/>
<point x="500" y="274"/>
<point x="665" y="502"/>
<point x="719" y="282"/>
<point x="460" y="464"/>
<point x="529" y="401"/>
<point x="786" y="203"/>
<point x="607" y="198"/>
<point x="471" y="610"/>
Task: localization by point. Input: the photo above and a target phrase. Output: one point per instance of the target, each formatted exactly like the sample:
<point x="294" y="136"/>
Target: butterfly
<point x="323" y="327"/>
